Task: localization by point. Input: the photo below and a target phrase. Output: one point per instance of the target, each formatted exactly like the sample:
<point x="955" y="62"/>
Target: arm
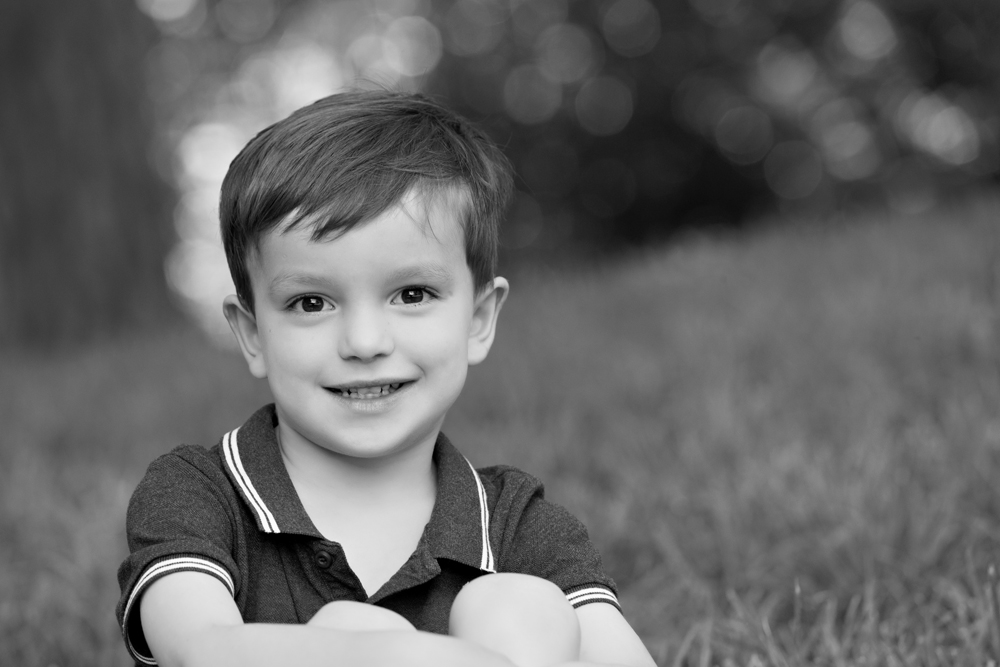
<point x="190" y="619"/>
<point x="544" y="540"/>
<point x="606" y="638"/>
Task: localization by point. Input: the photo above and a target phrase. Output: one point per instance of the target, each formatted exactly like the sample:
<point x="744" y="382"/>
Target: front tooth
<point x="365" y="392"/>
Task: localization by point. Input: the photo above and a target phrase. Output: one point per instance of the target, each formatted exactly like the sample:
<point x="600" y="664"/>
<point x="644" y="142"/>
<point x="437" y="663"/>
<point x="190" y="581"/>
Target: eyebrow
<point x="292" y="279"/>
<point x="421" y="272"/>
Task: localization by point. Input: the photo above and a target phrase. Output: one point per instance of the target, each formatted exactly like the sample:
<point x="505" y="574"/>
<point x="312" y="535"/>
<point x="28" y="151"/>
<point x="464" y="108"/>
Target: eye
<point x="309" y="304"/>
<point x="412" y="295"/>
<point x="415" y="295"/>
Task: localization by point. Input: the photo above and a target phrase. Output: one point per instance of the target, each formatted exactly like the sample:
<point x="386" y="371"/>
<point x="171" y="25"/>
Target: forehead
<point x="425" y="225"/>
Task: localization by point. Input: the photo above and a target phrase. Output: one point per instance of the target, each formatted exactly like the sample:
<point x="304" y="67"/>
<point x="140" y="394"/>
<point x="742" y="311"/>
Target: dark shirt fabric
<point x="232" y="512"/>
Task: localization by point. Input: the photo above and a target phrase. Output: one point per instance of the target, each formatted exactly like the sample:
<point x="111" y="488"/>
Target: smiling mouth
<point x="368" y="392"/>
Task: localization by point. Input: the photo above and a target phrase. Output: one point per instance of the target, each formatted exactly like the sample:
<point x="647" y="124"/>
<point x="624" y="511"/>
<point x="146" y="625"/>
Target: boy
<point x="338" y="526"/>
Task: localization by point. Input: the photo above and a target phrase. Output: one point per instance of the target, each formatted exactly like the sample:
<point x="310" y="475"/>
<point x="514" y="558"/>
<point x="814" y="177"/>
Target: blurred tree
<point x="627" y="120"/>
<point x="630" y="119"/>
<point x="84" y="219"/>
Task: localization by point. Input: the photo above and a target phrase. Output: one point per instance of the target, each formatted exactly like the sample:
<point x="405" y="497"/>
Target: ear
<point x="244" y="326"/>
<point x="484" y="319"/>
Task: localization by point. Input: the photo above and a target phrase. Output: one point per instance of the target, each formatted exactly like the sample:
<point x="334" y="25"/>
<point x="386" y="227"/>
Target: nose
<point x="365" y="335"/>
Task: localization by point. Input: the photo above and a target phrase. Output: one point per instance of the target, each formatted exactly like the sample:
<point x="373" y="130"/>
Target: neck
<point x="407" y="474"/>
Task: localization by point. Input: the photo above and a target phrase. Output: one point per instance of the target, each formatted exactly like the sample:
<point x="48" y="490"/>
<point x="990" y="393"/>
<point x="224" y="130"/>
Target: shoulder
<point x="515" y="497"/>
<point x="187" y="467"/>
<point x="517" y="502"/>
<point x="520" y="513"/>
<point x="185" y="490"/>
<point x="533" y="535"/>
<point x="503" y="481"/>
<point x="188" y="457"/>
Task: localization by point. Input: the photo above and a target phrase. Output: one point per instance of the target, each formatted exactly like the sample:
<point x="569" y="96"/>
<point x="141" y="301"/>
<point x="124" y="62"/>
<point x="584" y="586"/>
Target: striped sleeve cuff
<point x="582" y="595"/>
<point x="131" y="628"/>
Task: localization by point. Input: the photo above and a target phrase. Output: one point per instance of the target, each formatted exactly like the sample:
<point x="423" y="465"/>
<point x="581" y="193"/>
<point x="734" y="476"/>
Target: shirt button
<point x="323" y="559"/>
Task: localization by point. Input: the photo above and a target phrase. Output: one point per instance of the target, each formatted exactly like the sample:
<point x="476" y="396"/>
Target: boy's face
<point x="365" y="339"/>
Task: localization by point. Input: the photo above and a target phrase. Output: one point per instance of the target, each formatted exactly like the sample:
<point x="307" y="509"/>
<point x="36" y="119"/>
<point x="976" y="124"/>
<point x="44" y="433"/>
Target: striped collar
<point x="459" y="524"/>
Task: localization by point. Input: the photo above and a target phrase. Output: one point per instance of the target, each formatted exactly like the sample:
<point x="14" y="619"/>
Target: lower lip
<point x="372" y="405"/>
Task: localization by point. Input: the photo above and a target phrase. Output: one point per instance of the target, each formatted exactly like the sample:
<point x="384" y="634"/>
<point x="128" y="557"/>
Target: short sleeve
<point x="179" y="519"/>
<point x="543" y="539"/>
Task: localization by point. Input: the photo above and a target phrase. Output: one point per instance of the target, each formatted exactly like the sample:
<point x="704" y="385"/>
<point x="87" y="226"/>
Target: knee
<point x="526" y="618"/>
<point x="358" y="617"/>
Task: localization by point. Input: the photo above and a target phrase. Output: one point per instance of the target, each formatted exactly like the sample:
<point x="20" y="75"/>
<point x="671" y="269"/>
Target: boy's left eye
<point x="413" y="295"/>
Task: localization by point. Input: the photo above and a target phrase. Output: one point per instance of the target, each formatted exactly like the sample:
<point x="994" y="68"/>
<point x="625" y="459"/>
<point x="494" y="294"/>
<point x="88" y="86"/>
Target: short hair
<point x="346" y="159"/>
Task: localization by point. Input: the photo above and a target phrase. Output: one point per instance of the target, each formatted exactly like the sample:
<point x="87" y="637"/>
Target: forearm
<point x="270" y="645"/>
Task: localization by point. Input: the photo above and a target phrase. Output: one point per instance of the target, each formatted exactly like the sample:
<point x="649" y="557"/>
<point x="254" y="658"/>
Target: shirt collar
<point x="459" y="524"/>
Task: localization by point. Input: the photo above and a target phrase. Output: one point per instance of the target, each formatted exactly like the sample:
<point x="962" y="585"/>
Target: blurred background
<point x="629" y="122"/>
<point x="753" y="339"/>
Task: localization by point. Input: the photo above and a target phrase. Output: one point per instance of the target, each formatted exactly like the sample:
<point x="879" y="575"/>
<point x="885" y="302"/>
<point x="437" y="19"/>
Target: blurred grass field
<point x="784" y="444"/>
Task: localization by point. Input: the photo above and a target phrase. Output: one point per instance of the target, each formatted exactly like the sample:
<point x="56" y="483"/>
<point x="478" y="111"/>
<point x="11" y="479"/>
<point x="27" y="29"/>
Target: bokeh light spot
<point x="529" y="97"/>
<point x="365" y="54"/>
<point x="939" y="127"/>
<point x="206" y="150"/>
<point x="565" y="53"/>
<point x="744" y="134"/>
<point x="166" y="10"/>
<point x="846" y="140"/>
<point x="196" y="269"/>
<point x="866" y="32"/>
<point x="793" y="169"/>
<point x="245" y="21"/>
<point x="197" y="205"/>
<point x="532" y="17"/>
<point x="393" y="8"/>
<point x="302" y="74"/>
<point x="631" y="27"/>
<point x="412" y="46"/>
<point x="604" y="106"/>
<point x="785" y="71"/>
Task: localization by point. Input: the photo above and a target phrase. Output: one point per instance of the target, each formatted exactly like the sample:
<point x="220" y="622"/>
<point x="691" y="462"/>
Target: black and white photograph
<point x="500" y="333"/>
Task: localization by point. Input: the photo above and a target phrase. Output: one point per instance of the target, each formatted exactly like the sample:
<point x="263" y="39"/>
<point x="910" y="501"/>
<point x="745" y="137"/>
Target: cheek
<point x="292" y="351"/>
<point x="439" y="340"/>
<point x="430" y="348"/>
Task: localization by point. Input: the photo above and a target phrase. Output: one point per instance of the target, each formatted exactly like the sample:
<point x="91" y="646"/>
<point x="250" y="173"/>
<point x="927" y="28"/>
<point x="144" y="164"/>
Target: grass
<point x="784" y="443"/>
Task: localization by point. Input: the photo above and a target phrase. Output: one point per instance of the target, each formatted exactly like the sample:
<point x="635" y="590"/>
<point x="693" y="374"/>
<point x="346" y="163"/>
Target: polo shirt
<point x="232" y="512"/>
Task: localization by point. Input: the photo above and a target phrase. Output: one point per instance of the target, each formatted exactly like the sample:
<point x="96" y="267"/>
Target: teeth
<point x="370" y="392"/>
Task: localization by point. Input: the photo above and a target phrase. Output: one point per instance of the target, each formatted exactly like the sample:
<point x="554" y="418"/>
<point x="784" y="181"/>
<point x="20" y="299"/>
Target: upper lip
<point x="378" y="382"/>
